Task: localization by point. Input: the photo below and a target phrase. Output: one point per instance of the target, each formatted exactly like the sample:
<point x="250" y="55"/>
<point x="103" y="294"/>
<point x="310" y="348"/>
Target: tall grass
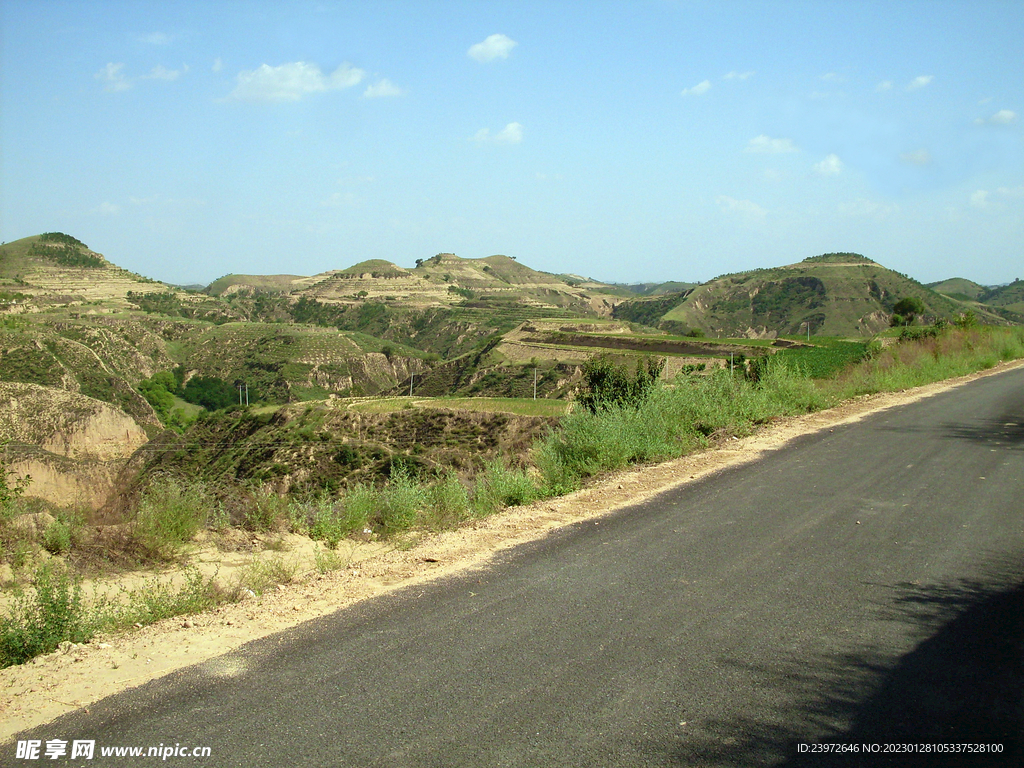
<point x="170" y="514"/>
<point x="671" y="422"/>
<point x="931" y="358"/>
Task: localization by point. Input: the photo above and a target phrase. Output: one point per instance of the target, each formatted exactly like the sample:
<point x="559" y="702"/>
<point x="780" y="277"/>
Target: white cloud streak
<point x="920" y="82"/>
<point x="918" y="157"/>
<point x="979" y="199"/>
<point x="698" y="90"/>
<point x="885" y="85"/>
<point x="113" y="78"/>
<point x="830" y="166"/>
<point x="494" y="47"/>
<point x="510" y="134"/>
<point x="746" y="209"/>
<point x="160" y="72"/>
<point x="767" y="146"/>
<point x="382" y="89"/>
<point x="292" y="81"/>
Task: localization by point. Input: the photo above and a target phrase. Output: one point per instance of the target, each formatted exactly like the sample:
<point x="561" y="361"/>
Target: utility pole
<point x="411" y="377"/>
<point x="534" y="383"/>
<point x="247" y="394"/>
<point x="239" y="394"/>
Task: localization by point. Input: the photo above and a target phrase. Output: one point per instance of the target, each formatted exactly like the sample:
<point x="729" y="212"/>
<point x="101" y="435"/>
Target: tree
<point x="606" y="384"/>
<point x="907" y="309"/>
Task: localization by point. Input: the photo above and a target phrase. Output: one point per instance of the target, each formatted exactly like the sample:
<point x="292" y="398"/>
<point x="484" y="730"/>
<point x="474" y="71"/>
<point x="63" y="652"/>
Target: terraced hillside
<point x="832" y="295"/>
<point x="446" y="280"/>
<point x="57" y="269"/>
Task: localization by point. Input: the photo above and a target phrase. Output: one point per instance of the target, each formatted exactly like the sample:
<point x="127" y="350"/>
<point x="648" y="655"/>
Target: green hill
<point x="959" y="288"/>
<point x="270" y="283"/>
<point x="1010" y="297"/>
<point x="836" y="294"/>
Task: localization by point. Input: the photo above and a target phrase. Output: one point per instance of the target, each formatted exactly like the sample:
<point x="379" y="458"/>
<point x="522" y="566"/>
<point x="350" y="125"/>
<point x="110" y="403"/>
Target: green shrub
<point x="400" y="500"/>
<point x="57" y="537"/>
<point x="170" y="514"/>
<point x="334" y="519"/>
<point x="155" y="600"/>
<point x="447" y="503"/>
<point x="606" y="384"/>
<point x="501" y="486"/>
<point x="40" y="620"/>
<point x="265" y="508"/>
<point x="261" y="573"/>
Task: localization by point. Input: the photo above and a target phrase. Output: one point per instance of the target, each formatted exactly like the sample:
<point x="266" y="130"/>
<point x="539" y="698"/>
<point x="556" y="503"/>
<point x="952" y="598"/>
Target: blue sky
<point x="628" y="141"/>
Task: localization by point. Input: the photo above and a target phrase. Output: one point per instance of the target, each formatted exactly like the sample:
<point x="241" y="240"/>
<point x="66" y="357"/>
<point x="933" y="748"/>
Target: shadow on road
<point x="962" y="684"/>
<point x="1006" y="432"/>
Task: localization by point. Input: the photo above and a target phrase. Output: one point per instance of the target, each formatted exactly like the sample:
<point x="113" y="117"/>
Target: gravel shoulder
<point x="76" y="677"/>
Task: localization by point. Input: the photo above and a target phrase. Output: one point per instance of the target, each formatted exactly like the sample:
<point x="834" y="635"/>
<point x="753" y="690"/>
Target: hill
<point x="249" y="283"/>
<point x="447" y="280"/>
<point x="1009" y="297"/>
<point x="836" y="294"/>
<point x="959" y="288"/>
<point x="57" y="269"/>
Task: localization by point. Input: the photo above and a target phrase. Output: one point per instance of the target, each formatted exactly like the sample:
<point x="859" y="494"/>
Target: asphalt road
<point x="859" y="586"/>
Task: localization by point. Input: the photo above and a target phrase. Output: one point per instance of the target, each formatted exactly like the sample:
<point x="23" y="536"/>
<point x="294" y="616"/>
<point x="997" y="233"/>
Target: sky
<point x="627" y="141"/>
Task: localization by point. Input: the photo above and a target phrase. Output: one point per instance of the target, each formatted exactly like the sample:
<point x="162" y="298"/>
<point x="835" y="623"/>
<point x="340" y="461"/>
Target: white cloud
<point x="1011" y="191"/>
<point x="698" y="90"/>
<point x="830" y="166"/>
<point x="980" y="199"/>
<point x="510" y="134"/>
<point x="494" y="47"/>
<point x="160" y="72"/>
<point x="218" y="65"/>
<point x="764" y="145"/>
<point x="382" y="88"/>
<point x="832" y="77"/>
<point x="920" y="82"/>
<point x="292" y="81"/>
<point x="113" y="77"/>
<point x="885" y="85"/>
<point x="918" y="157"/>
<point x="107" y="209"/>
<point x="1003" y="116"/>
<point x="738" y="75"/>
<point x="747" y="209"/>
<point x="155" y="38"/>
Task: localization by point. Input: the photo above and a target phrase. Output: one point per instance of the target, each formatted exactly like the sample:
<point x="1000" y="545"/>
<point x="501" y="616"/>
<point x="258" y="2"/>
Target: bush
<point x="39" y="621"/>
<point x="264" y="510"/>
<point x="447" y="503"/>
<point x="502" y="486"/>
<point x="170" y="514"/>
<point x="399" y="502"/>
<point x="606" y="384"/>
<point x="334" y="519"/>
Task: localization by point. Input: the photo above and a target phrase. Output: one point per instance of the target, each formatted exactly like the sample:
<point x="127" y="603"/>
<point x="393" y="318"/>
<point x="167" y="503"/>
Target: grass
<point x="170" y="514"/>
<point x="55" y="610"/>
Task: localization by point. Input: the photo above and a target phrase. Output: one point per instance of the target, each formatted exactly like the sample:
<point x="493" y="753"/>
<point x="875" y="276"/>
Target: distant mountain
<point x="448" y="280"/>
<point x="659" y="289"/>
<point x="836" y="294"/>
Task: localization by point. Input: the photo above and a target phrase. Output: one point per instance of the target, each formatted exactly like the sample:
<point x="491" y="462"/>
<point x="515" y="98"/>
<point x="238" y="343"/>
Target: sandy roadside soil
<point x="49" y="686"/>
